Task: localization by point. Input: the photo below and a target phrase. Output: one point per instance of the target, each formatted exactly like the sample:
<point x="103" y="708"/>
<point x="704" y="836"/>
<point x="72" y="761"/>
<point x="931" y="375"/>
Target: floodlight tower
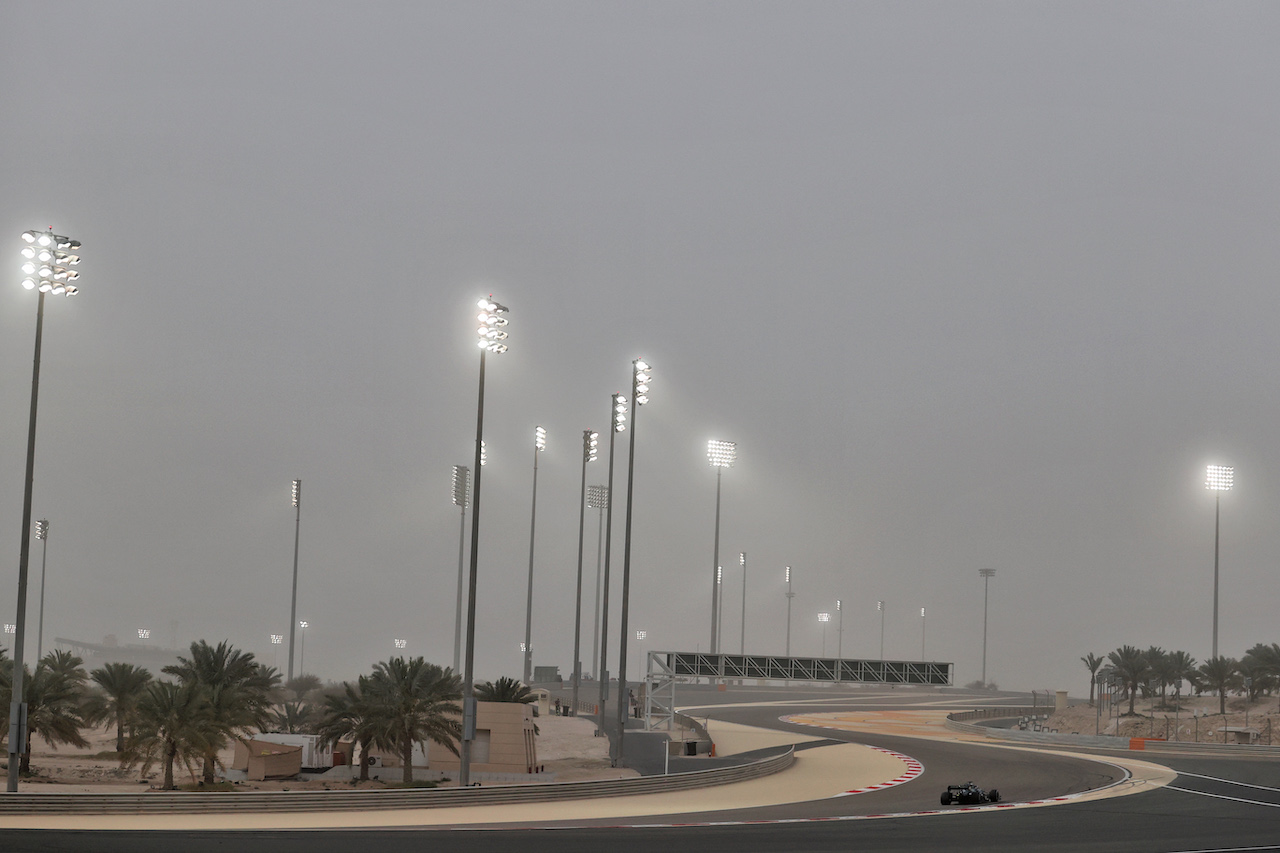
<point x="42" y="533"/>
<point x="597" y="499"/>
<point x="721" y="455"/>
<point x="790" y="595"/>
<point x="48" y="270"/>
<point x="742" y="639"/>
<point x="618" y="422"/>
<point x="589" y="442"/>
<point x="719" y="602"/>
<point x="922" y="633"/>
<point x="986" y="575"/>
<point x="640" y="393"/>
<point x="539" y="445"/>
<point x="491" y="334"/>
<point x="461" y="489"/>
<point x="293" y="598"/>
<point x="1219" y="479"/>
<point x="823" y="619"/>
<point x="840" y="629"/>
<point x="880" y="607"/>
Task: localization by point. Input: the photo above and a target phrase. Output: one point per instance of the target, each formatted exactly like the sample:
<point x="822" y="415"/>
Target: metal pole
<point x="790" y="595"/>
<point x="44" y="557"/>
<point x="577" y="601"/>
<point x="608" y="548"/>
<point x="881" y="630"/>
<point x="840" y="635"/>
<point x="923" y="627"/>
<point x="623" y="705"/>
<point x="595" y="633"/>
<point x="528" y="606"/>
<point x="715" y="574"/>
<point x="742" y="639"/>
<point x="293" y="598"/>
<point x="1217" y="513"/>
<point x="986" y="580"/>
<point x="457" y="617"/>
<point x="18" y="708"/>
<point x="302" y="653"/>
<point x="468" y="678"/>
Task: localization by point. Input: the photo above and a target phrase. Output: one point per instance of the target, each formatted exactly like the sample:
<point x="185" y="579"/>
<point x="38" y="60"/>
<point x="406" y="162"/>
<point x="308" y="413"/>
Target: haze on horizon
<point x="972" y="285"/>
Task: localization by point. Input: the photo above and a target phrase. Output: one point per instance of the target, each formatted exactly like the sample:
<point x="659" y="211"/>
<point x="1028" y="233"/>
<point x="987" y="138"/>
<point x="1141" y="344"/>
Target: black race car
<point x="969" y="794"/>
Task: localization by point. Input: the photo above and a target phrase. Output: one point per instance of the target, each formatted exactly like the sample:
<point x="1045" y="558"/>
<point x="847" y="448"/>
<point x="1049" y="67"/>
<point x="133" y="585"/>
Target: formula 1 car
<point x="969" y="794"/>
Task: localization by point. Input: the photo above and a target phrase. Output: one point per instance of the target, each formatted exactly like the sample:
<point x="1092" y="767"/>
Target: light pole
<point x="589" y="442"/>
<point x="718" y="603"/>
<point x="742" y="639"/>
<point x="618" y="420"/>
<point x="790" y="595"/>
<point x="721" y="455"/>
<point x="302" y="646"/>
<point x="640" y="638"/>
<point x="986" y="575"/>
<point x="400" y="644"/>
<point x="461" y="483"/>
<point x="48" y="270"/>
<point x="597" y="499"/>
<point x="276" y="640"/>
<point x="539" y="445"/>
<point x="42" y="533"/>
<point x="823" y="619"/>
<point x="840" y="629"/>
<point x="639" y="393"/>
<point x="293" y="599"/>
<point x="491" y="336"/>
<point x="922" y="630"/>
<point x="1218" y="480"/>
<point x="880" y="607"/>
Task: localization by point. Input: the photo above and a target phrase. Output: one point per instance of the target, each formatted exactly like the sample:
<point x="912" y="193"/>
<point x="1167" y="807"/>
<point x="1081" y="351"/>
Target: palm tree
<point x="1256" y="673"/>
<point x="1091" y="663"/>
<point x="1218" y="674"/>
<point x="119" y="686"/>
<point x="302" y="685"/>
<point x="238" y="689"/>
<point x="347" y="714"/>
<point x="505" y="690"/>
<point x="174" y="723"/>
<point x="1157" y="663"/>
<point x="54" y="697"/>
<point x="293" y="718"/>
<point x="413" y="702"/>
<point x="1181" y="667"/>
<point x="1130" y="665"/>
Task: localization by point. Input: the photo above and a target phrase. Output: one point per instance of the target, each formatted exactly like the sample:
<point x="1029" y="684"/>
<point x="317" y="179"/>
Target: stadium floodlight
<point x="721" y="455"/>
<point x="293" y="598"/>
<point x="1218" y="479"/>
<point x="590" y="441"/>
<point x="461" y="489"/>
<point x="640" y="394"/>
<point x="539" y="445"/>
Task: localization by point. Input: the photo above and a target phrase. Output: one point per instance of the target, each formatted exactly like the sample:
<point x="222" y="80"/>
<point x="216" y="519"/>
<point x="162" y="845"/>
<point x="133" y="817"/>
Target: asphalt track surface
<point x="1215" y="804"/>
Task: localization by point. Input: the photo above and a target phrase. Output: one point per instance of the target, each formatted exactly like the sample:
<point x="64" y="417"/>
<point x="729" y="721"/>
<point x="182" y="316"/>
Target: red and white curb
<point x="914" y="767"/>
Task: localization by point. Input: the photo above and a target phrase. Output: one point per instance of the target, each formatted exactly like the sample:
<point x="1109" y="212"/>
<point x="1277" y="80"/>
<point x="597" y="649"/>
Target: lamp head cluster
<point x="838" y="604"/>
<point x="491" y="330"/>
<point x="297" y="493"/>
<point x="722" y="454"/>
<point x="42" y="529"/>
<point x="824" y="617"/>
<point x="880" y="606"/>
<point x="719" y="573"/>
<point x="921" y="612"/>
<point x="48" y="263"/>
<point x="590" y="442"/>
<point x="742" y="558"/>
<point x="598" y="497"/>
<point x="986" y="573"/>
<point x="277" y="639"/>
<point x="144" y="633"/>
<point x="1219" y="478"/>
<point x="641" y="383"/>
<point x="302" y="623"/>
<point x="484" y="454"/>
<point x="400" y="644"/>
<point x="540" y="439"/>
<point x="619" y="413"/>
<point x="461" y="479"/>
<point x="788" y="574"/>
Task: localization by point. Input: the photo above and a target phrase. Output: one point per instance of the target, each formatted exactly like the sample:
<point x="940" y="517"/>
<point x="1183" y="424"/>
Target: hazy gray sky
<point x="971" y="284"/>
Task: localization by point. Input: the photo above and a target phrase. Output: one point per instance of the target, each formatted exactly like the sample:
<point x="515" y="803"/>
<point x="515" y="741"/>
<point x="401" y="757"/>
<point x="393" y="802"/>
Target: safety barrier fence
<point x="168" y="802"/>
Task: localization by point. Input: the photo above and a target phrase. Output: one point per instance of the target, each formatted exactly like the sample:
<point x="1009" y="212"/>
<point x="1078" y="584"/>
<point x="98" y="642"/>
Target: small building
<point x="505" y="743"/>
<point x="262" y="759"/>
<point x="1241" y="734"/>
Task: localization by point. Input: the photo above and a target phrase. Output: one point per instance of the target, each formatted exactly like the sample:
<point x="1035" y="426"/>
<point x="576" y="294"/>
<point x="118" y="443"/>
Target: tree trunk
<point x="1222" y="701"/>
<point x="406" y="755"/>
<point x="210" y="761"/>
<point x="170" y="753"/>
<point x="24" y="767"/>
<point x="119" y="735"/>
<point x="364" y="761"/>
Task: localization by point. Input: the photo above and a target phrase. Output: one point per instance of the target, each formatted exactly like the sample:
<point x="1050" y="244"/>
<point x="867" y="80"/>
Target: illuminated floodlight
<point x="590" y="445"/>
<point x="42" y="529"/>
<point x="640" y="635"/>
<point x="491" y="333"/>
<point x="922" y="612"/>
<point x="598" y="497"/>
<point x="619" y="413"/>
<point x="523" y="648"/>
<point x="742" y="558"/>
<point x="540" y="438"/>
<point x="722" y="454"/>
<point x="302" y="624"/>
<point x="461" y="479"/>
<point x="824" y="617"/>
<point x="838" y="603"/>
<point x="297" y="493"/>
<point x="400" y="644"/>
<point x="719" y="573"/>
<point x="277" y="639"/>
<point x="788" y="574"/>
<point x="880" y="606"/>
<point x="641" y="383"/>
<point x="10" y="628"/>
<point x="47" y="268"/>
<point x="1219" y="478"/>
<point x="144" y="633"/>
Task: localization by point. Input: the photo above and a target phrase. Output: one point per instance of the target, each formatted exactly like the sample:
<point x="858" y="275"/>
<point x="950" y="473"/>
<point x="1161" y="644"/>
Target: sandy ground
<point x="1195" y="719"/>
<point x="566" y="746"/>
